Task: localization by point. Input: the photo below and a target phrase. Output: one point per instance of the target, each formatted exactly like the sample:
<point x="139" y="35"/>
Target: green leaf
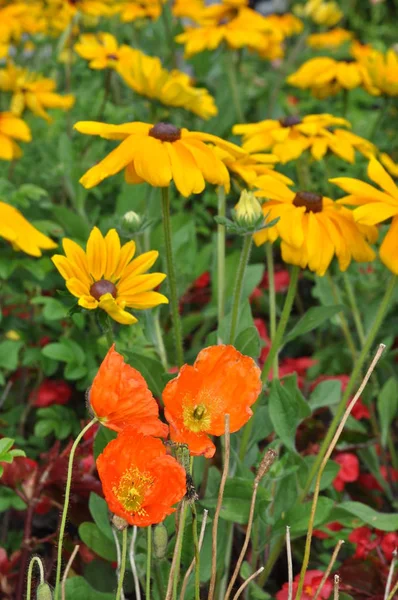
<point x="248" y="342"/>
<point x="151" y="369"/>
<point x="382" y="521"/>
<point x="5" y="445"/>
<point x="9" y="351"/>
<point x="328" y="475"/>
<point x="287" y="408"/>
<point x="326" y="393"/>
<point x="102" y="439"/>
<point x="99" y="511"/>
<point x="73" y="224"/>
<point x="236" y="501"/>
<point x="77" y="588"/>
<point x="314" y="317"/>
<point x="93" y="537"/>
<point x="53" y="309"/>
<point x="387" y="407"/>
<point x="58" y="351"/>
<point x="298" y="516"/>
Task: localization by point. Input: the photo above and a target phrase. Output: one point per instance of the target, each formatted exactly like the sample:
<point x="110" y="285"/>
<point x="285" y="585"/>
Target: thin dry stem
<point x="328" y="454"/>
<point x="169" y="591"/>
<point x="390" y="574"/>
<point x="192" y="565"/>
<point x="336" y="587"/>
<point x="67" y="569"/>
<point x="227" y="451"/>
<point x="137" y="588"/>
<point x="289" y="564"/>
<point x="118" y="556"/>
<point x="329" y="569"/>
<point x="246" y="583"/>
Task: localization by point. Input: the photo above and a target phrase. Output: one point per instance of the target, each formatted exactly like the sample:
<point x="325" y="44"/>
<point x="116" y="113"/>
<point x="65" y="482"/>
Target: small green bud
<point x="132" y="221"/>
<point x="248" y="211"/>
<point x="160" y="539"/>
<point x="43" y="592"/>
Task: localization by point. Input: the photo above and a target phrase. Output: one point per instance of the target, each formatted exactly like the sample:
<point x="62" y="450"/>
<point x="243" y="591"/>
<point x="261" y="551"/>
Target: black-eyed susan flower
<point x="12" y="128"/>
<point x="288" y="24"/>
<point x="105" y="276"/>
<point x="20" y="233"/>
<point x="325" y="76"/>
<point x="139" y="9"/>
<point x="375" y="206"/>
<point x="382" y="70"/>
<point x="31" y="90"/>
<point x="159" y="154"/>
<point x="321" y="12"/>
<point x="102" y="50"/>
<point x="190" y="9"/>
<point x="334" y="38"/>
<point x="289" y="137"/>
<point x="312" y="228"/>
<point x="146" y="76"/>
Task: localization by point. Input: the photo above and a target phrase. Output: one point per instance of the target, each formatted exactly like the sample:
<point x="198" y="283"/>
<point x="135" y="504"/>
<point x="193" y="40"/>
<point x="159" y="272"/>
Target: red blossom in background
<point x="322" y="535"/>
<point x="51" y="392"/>
<point x="360" y="411"/>
<point x="349" y="470"/>
<point x="281" y="278"/>
<point x="198" y="292"/>
<point x="8" y="573"/>
<point x="312" y="580"/>
<point x="365" y="540"/>
<point x="389" y="544"/>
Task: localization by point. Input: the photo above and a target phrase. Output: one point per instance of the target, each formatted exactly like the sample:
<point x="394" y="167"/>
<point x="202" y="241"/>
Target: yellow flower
<point x="383" y="72"/>
<point x="105" y="276"/>
<point x="313" y="229"/>
<point x="334" y="38"/>
<point x="375" y="206"/>
<point x="289" y="137"/>
<point x="389" y="164"/>
<point x="12" y="128"/>
<point x="191" y="9"/>
<point x="287" y="24"/>
<point x="13" y="335"/>
<point x="146" y="76"/>
<point x="139" y="9"/>
<point x="325" y="76"/>
<point x="248" y="210"/>
<point x="102" y="50"/>
<point x="32" y="91"/>
<point x="322" y="13"/>
<point x="20" y="233"/>
<point x="158" y="154"/>
<point x="10" y="21"/>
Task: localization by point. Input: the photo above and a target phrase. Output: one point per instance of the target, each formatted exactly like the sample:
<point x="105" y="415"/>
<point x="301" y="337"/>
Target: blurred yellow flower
<point x="13" y="335"/>
<point x="12" y="128"/>
<point x="290" y="137"/>
<point x="375" y="206"/>
<point x="105" y="276"/>
<point x="321" y="12"/>
<point x="159" y="154"/>
<point x="383" y="72"/>
<point x="191" y="9"/>
<point x="312" y="228"/>
<point x="10" y="21"/>
<point x="31" y="90"/>
<point x="20" y="233"/>
<point x="102" y="50"/>
<point x="287" y="24"/>
<point x="329" y="39"/>
<point x="139" y="9"/>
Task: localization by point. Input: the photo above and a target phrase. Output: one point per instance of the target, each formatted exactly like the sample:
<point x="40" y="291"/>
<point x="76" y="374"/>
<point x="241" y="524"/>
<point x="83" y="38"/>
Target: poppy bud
<point x="44" y="592"/>
<point x="119" y="523"/>
<point x="248" y="211"/>
<point x="160" y="539"/>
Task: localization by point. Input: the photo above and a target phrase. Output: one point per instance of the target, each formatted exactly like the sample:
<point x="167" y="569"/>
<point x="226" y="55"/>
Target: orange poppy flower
<point x="140" y="481"/>
<point x="120" y="396"/>
<point x="221" y="381"/>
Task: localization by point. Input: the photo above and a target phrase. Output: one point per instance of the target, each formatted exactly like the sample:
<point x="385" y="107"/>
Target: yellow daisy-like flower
<point x="383" y="72"/>
<point x="20" y="233"/>
<point x="32" y="91"/>
<point x="190" y="9"/>
<point x="313" y="229"/>
<point x="288" y="24"/>
<point x="375" y="206"/>
<point x="10" y="21"/>
<point x="139" y="9"/>
<point x="159" y="154"/>
<point x="289" y="137"/>
<point x="106" y="276"/>
<point x="12" y="128"/>
<point x="321" y="12"/>
<point x="334" y="38"/>
<point x="146" y="76"/>
<point x="389" y="164"/>
<point x="102" y="50"/>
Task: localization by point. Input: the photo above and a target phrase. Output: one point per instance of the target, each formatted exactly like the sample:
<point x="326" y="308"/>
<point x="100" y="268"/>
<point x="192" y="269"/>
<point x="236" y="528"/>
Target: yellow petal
<point x="374" y="212"/>
<point x="96" y="254"/>
<point x="76" y="254"/>
<point x="109" y="305"/>
<point x="141" y="264"/>
<point x="88" y="302"/>
<point x="112" y="243"/>
<point x="144" y="300"/>
<point x="140" y="283"/>
<point x="187" y="176"/>
<point x="380" y="176"/>
<point x="363" y="190"/>
<point x="152" y="163"/>
<point x="389" y="247"/>
<point x="126" y="254"/>
<point x="77" y="288"/>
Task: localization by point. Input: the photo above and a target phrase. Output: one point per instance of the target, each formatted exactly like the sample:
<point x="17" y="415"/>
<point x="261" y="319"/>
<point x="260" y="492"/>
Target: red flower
<point x="360" y="411"/>
<point x="389" y="543"/>
<point x="51" y="392"/>
<point x="19" y="471"/>
<point x="281" y="278"/>
<point x="349" y="470"/>
<point x="369" y="482"/>
<point x="289" y="366"/>
<point x="322" y="535"/>
<point x="312" y="580"/>
<point x="365" y="540"/>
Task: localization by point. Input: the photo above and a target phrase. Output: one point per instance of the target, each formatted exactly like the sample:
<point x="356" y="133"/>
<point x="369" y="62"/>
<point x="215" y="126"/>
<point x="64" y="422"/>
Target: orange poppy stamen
<point x="132" y="489"/>
<point x="166" y="132"/>
<point x="312" y="202"/>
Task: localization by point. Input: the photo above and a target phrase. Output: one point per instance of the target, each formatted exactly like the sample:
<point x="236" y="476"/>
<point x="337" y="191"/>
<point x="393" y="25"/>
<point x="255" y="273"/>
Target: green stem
<point x="240" y="276"/>
<point x="221" y="256"/>
<point x="159" y="340"/>
<point x="122" y="564"/>
<point x="379" y="318"/>
<point x="230" y="68"/>
<point x="180" y="537"/>
<point x="197" y="551"/>
<point x="109" y="332"/>
<point x="343" y="321"/>
<point x="272" y="300"/>
<point x="148" y="564"/>
<point x="66" y="505"/>
<point x="354" y="308"/>
<point x="346" y="101"/>
<point x="171" y="276"/>
<point x="276" y="345"/>
<point x="35" y="559"/>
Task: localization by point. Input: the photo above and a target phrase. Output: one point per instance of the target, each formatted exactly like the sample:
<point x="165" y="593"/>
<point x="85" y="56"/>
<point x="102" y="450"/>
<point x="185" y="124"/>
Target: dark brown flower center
<point x="312" y="202"/>
<point x="290" y="121"/>
<point x="166" y="132"/>
<point x="101" y="287"/>
<point x="111" y="56"/>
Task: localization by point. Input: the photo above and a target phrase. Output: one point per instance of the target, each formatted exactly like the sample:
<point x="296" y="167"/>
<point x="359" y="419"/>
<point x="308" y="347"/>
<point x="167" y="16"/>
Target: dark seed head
<point x="290" y="121"/>
<point x="101" y="287"/>
<point x="166" y="132"/>
<point x="111" y="56"/>
<point x="312" y="202"/>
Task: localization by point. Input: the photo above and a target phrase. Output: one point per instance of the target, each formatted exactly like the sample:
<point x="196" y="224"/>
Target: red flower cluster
<point x="366" y="540"/>
<point x="349" y="470"/>
<point x="312" y="580"/>
<point x="51" y="392"/>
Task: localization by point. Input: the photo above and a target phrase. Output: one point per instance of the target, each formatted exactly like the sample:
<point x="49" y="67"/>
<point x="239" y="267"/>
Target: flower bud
<point x="119" y="523"/>
<point x="43" y="592"/>
<point x="248" y="211"/>
<point x="131" y="221"/>
<point x="160" y="539"/>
